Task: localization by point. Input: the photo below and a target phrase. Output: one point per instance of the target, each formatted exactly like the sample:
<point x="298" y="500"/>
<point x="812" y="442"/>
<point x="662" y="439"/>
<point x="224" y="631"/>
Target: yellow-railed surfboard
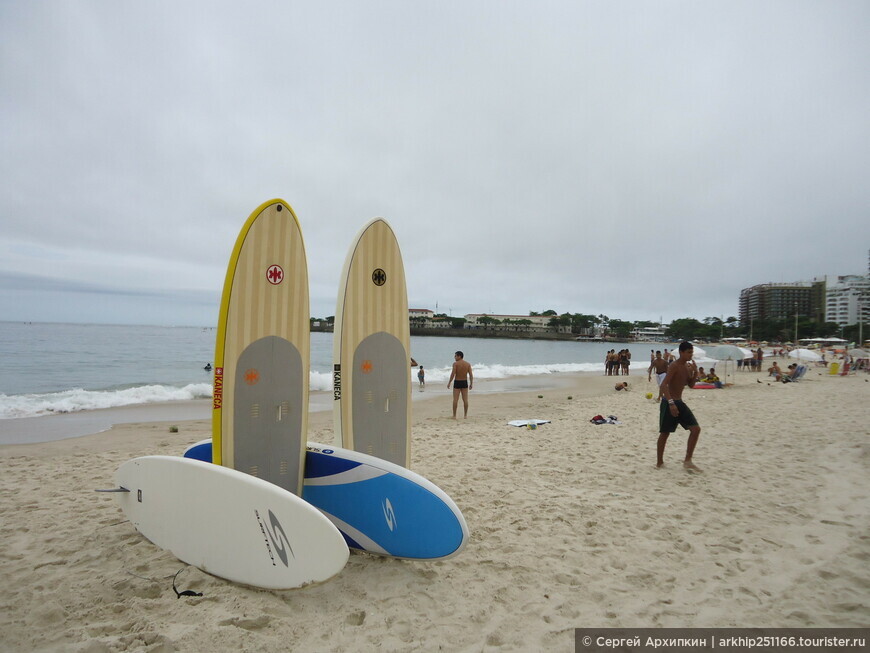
<point x="262" y="353"/>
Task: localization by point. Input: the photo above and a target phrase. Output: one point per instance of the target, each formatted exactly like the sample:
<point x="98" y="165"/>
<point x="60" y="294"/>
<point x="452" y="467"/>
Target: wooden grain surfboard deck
<point x="262" y="353"/>
<point x="372" y="348"/>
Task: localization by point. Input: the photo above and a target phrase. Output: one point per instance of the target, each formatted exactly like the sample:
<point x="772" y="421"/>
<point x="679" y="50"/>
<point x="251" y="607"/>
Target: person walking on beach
<point x="462" y="379"/>
<point x="421" y="377"/>
<point x="660" y="366"/>
<point x="673" y="411"/>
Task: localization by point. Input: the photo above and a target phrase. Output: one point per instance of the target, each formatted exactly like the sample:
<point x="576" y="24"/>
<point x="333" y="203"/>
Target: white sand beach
<point x="571" y="526"/>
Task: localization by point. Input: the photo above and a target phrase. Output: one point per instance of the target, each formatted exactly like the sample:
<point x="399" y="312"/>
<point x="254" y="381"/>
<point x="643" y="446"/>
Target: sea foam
<point x="70" y="401"/>
<point x="322" y="381"/>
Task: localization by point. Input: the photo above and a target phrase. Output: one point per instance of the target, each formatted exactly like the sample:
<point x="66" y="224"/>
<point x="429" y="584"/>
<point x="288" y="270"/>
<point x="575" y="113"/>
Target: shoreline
<point x="50" y="428"/>
<point x="571" y="526"/>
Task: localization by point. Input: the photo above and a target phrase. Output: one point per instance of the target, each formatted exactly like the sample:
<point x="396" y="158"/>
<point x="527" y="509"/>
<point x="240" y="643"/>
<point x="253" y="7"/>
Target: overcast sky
<point x="636" y="159"/>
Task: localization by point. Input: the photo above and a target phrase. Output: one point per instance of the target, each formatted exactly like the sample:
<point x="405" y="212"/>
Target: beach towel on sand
<point x="526" y="422"/>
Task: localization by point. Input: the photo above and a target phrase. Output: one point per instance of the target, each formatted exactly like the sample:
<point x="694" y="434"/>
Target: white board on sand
<point x="228" y="523"/>
<point x="378" y="506"/>
<point x="372" y="349"/>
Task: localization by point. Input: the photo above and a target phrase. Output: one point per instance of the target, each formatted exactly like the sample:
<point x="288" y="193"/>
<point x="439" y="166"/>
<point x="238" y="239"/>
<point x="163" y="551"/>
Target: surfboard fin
<point x="117" y="489"/>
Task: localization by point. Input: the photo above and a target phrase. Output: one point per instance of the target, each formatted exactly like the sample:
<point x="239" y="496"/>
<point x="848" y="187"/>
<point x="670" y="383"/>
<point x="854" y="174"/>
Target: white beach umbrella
<point x="727" y="355"/>
<point x="859" y="353"/>
<point x="699" y="356"/>
<point x="804" y="355"/>
<point x="729" y="352"/>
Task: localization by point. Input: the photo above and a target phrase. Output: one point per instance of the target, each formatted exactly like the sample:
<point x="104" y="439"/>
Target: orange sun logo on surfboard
<point x="252" y="376"/>
<point x="367" y="367"/>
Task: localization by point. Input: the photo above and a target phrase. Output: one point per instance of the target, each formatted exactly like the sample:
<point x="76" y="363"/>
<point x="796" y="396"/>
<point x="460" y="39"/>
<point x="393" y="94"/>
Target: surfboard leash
<point x="178" y="594"/>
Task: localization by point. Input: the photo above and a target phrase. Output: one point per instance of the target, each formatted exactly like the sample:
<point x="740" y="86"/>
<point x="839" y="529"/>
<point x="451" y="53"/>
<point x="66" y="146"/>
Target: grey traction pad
<point x="268" y="412"/>
<point x="381" y="372"/>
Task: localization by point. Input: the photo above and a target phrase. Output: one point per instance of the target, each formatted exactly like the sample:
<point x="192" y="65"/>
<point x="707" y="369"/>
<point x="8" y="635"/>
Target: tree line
<point x="686" y="328"/>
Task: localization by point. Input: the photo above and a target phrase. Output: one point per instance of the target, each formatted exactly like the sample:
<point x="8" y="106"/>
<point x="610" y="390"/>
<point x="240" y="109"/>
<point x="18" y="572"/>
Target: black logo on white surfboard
<point x="280" y="543"/>
<point x="379" y="277"/>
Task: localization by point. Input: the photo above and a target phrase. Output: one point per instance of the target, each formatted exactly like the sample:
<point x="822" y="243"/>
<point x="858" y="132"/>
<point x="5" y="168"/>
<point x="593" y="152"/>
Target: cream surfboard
<point x="262" y="535"/>
<point x="262" y="353"/>
<point x="372" y="349"/>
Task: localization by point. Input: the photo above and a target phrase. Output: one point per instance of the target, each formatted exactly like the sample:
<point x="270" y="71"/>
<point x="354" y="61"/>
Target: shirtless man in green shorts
<point x="673" y="411"/>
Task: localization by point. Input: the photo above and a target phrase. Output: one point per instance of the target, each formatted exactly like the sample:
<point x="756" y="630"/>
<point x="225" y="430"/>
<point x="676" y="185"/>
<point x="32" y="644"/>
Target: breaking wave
<point x="71" y="401"/>
<point x="322" y="381"/>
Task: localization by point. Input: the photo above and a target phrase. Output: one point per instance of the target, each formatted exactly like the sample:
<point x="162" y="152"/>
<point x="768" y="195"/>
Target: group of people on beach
<point x="753" y="364"/>
<point x="616" y="363"/>
<point x="785" y="377"/>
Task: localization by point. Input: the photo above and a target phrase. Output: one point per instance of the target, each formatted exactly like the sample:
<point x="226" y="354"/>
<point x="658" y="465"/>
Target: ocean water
<point x="49" y="369"/>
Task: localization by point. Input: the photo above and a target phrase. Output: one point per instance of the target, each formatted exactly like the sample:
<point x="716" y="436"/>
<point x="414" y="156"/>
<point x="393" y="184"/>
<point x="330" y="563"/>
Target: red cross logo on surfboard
<point x="275" y="274"/>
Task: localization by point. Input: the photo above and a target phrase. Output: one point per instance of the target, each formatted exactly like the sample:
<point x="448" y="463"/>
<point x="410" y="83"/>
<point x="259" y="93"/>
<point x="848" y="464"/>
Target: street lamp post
<point x="860" y="321"/>
<point x="796" y="343"/>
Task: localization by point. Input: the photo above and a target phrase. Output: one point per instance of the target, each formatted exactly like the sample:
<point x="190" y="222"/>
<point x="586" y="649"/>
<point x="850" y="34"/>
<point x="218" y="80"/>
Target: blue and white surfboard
<point x="200" y="451"/>
<point x="378" y="506"/>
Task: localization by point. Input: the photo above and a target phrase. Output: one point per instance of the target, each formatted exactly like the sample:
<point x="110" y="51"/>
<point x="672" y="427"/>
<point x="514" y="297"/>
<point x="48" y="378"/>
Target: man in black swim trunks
<point x="464" y="379"/>
<point x="673" y="411"/>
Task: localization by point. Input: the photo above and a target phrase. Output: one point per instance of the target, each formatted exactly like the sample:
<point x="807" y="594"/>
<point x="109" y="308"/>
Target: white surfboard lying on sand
<point x="228" y="523"/>
<point x="528" y="422"/>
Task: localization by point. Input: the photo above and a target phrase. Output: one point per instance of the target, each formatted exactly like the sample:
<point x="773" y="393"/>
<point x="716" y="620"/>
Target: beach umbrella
<point x="698" y="355"/>
<point x="729" y="352"/>
<point x="804" y="355"/>
<point x="858" y="353"/>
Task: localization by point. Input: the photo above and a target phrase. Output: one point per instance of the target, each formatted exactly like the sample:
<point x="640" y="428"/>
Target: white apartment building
<point x="650" y="334"/>
<point x="512" y="322"/>
<point x="425" y="318"/>
<point x="845" y="296"/>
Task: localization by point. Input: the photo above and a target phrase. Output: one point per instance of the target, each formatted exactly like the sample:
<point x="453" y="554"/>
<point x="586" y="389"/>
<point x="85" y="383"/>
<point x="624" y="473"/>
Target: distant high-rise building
<point x="777" y="301"/>
<point x="847" y="296"/>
